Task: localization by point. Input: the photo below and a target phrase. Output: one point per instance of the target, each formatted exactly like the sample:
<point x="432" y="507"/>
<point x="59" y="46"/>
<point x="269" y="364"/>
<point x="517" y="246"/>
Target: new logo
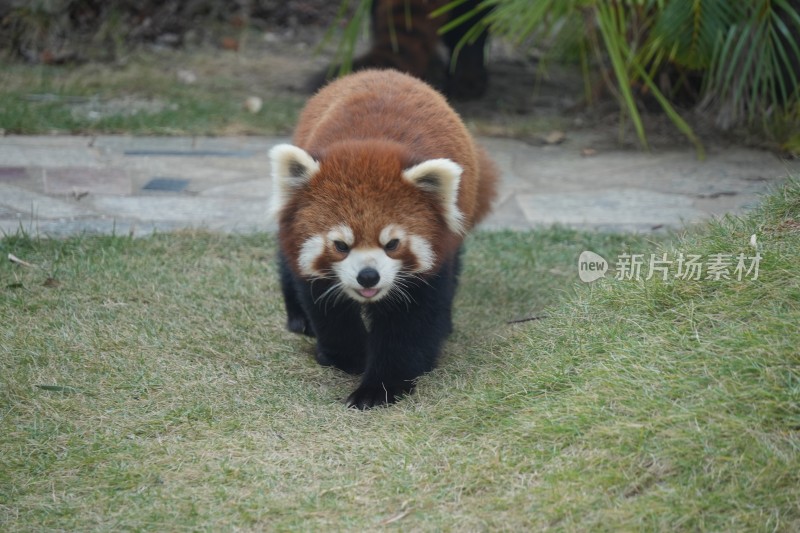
<point x="591" y="266"/>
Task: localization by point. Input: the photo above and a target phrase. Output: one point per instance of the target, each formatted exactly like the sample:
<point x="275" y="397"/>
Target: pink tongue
<point x="368" y="293"/>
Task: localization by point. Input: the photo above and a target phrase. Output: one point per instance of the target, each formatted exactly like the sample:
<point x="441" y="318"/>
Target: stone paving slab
<point x="85" y="180"/>
<point x="12" y="174"/>
<point x="257" y="188"/>
<point x="619" y="209"/>
<point x="37" y="205"/>
<point x="193" y="211"/>
<point x="60" y="185"/>
<point x="44" y="152"/>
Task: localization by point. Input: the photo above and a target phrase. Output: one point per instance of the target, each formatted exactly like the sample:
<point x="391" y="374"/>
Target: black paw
<point x="299" y="324"/>
<point x="367" y="397"/>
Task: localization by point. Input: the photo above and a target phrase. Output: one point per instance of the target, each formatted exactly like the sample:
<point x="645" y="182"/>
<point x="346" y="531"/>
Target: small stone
<point x="186" y="76"/>
<point x="253" y="104"/>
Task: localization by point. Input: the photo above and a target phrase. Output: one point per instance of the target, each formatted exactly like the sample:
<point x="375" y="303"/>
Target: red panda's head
<point x="365" y="215"/>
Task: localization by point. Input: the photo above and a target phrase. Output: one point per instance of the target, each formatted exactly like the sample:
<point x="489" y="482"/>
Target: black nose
<point x="368" y="277"/>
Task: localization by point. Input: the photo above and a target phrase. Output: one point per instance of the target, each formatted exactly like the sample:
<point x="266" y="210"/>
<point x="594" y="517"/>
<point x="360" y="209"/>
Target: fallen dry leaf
<point x="789" y="225"/>
<point x="588" y="152"/>
<point x="555" y="137"/>
<point x="229" y="43"/>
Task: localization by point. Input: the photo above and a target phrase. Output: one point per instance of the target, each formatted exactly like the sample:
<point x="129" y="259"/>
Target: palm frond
<point x="748" y="52"/>
<point x="755" y="67"/>
<point x="351" y="33"/>
<point x="690" y="29"/>
<point x="611" y="23"/>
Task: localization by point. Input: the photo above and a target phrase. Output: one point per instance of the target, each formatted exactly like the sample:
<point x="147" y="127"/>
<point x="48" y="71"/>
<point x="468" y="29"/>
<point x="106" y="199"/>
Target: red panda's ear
<point x="292" y="167"/>
<point x="442" y="177"/>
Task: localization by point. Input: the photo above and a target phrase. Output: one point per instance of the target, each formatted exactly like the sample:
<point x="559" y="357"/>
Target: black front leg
<point x="404" y="342"/>
<point x="296" y="319"/>
<point x="336" y="321"/>
<point x="316" y="309"/>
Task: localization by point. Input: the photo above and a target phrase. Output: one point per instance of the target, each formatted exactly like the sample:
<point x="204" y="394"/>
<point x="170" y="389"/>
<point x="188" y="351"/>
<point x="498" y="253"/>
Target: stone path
<point x="61" y="185"/>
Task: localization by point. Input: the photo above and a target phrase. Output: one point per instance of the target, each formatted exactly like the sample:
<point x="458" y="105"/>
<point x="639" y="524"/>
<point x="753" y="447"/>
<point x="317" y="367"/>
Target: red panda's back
<point x="382" y="104"/>
<point x="387" y="105"/>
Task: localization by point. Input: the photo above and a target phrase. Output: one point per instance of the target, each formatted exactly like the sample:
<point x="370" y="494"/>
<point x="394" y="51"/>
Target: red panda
<point x="373" y="200"/>
<point x="405" y="37"/>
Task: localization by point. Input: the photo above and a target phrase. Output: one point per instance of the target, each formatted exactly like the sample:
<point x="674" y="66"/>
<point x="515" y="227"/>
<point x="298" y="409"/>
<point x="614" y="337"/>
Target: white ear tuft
<point x="292" y="167"/>
<point x="440" y="176"/>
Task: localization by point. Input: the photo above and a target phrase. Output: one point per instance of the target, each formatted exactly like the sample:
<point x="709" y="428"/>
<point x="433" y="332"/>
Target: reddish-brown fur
<point x="407" y="38"/>
<point x="405" y="25"/>
<point x="365" y="129"/>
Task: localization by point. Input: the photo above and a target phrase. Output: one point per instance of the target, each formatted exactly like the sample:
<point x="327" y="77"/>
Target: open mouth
<point x="368" y="293"/>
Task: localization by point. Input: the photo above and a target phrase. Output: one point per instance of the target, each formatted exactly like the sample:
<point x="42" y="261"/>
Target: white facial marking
<point x="348" y="269"/>
<point x="391" y="232"/>
<point x="419" y="246"/>
<point x="423" y="251"/>
<point x="341" y="233"/>
<point x="357" y="259"/>
<point x="309" y="252"/>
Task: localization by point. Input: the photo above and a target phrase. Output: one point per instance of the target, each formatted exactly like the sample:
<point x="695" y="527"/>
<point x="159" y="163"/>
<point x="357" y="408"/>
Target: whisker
<point x="330" y="290"/>
<point x="415" y="277"/>
<point x="398" y="296"/>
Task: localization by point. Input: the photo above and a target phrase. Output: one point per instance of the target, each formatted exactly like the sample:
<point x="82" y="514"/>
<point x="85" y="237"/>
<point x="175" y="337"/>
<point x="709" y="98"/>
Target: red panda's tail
<point x="487" y="185"/>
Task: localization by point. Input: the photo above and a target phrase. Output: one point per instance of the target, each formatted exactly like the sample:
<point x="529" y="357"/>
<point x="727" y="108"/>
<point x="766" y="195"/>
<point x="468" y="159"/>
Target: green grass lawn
<point x="148" y="384"/>
<point x="143" y="96"/>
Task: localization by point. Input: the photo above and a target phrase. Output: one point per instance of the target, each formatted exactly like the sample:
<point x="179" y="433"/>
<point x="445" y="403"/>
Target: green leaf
<point x="673" y="115"/>
<point x="615" y="47"/>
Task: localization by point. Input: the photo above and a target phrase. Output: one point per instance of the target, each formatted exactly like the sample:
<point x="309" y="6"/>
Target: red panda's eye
<point x="341" y="246"/>
<point x="392" y="245"/>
